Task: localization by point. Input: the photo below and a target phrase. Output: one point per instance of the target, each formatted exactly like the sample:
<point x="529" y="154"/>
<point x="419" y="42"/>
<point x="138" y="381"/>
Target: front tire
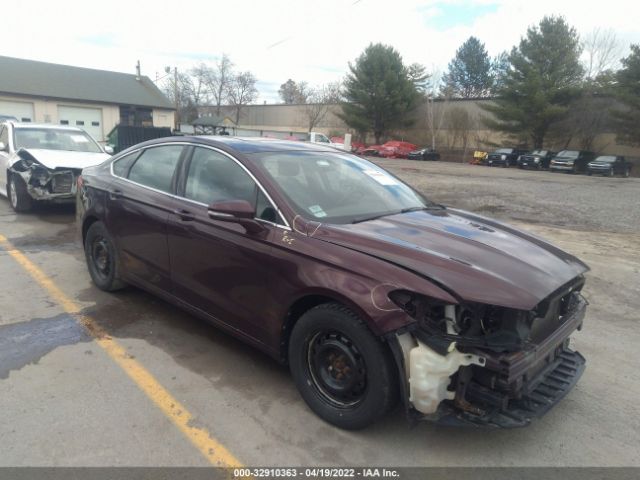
<point x="19" y="197"/>
<point x="344" y="373"/>
<point x="102" y="260"/>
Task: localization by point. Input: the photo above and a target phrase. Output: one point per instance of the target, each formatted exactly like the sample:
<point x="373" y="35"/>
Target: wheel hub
<point x="337" y="368"/>
<point x="101" y="257"/>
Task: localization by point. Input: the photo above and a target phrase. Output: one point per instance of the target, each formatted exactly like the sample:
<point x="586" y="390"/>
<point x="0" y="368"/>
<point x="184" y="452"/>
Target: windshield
<point x="504" y="150"/>
<point x="55" y="139"/>
<point x="542" y="153"/>
<point x="606" y="159"/>
<point x="569" y="153"/>
<point x="337" y="188"/>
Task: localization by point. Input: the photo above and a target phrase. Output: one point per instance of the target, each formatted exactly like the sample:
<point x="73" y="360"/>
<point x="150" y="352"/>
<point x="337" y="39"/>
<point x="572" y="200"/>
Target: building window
<point x="95" y="124"/>
<point x="80" y="123"/>
<point x="136" y="116"/>
<point x="25" y="119"/>
<point x="64" y="122"/>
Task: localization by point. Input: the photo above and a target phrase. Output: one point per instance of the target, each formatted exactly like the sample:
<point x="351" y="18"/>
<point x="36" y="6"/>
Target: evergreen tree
<point x="380" y="91"/>
<point x="545" y="75"/>
<point x="469" y="74"/>
<point x="627" y="90"/>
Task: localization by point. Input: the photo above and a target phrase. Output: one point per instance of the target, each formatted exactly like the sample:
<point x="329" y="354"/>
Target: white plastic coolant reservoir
<point x="429" y="374"/>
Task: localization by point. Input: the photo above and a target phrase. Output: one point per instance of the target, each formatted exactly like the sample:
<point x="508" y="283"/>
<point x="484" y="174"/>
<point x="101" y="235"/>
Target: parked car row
<point x="398" y="149"/>
<point x="569" y="161"/>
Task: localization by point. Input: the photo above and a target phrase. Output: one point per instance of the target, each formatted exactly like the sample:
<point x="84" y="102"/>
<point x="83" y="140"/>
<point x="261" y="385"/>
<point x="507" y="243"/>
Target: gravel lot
<point x="570" y="201"/>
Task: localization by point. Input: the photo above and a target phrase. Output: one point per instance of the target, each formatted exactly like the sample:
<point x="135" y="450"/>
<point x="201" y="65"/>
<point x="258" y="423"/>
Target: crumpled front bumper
<point x="552" y="386"/>
<point x="524" y="384"/>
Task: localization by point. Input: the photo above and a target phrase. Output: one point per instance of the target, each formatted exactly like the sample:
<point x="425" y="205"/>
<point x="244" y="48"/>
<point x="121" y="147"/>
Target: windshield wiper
<point x="404" y="210"/>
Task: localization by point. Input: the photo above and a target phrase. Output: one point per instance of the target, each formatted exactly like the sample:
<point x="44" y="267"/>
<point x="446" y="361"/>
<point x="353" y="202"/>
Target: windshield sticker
<point x="322" y="163"/>
<point x="79" y="138"/>
<point x="317" y="211"/>
<point x="381" y="177"/>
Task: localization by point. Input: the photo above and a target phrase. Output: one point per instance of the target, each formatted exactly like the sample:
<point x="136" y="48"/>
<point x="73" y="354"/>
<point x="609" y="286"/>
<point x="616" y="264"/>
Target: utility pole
<point x="177" y="99"/>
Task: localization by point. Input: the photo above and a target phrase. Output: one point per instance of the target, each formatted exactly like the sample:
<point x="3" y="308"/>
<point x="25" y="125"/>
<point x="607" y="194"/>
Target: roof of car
<point x="250" y="144"/>
<point x="44" y="126"/>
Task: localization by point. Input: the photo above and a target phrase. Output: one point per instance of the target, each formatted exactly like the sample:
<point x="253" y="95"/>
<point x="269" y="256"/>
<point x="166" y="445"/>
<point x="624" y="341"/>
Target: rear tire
<point x="19" y="197"/>
<point x="102" y="259"/>
<point x="344" y="373"/>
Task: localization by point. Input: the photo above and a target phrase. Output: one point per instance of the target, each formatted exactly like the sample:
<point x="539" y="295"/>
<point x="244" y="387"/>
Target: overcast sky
<point x="281" y="39"/>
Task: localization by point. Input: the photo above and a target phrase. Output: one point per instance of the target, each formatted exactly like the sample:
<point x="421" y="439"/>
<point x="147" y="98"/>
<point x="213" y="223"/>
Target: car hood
<point x="477" y="258"/>
<point x="53" y="159"/>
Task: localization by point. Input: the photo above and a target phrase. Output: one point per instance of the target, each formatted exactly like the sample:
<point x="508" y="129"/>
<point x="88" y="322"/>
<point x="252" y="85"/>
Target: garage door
<point x="90" y="119"/>
<point x="23" y="111"/>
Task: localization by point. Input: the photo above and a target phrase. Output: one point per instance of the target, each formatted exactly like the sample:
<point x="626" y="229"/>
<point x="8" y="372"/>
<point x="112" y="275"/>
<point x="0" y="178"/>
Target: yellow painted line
<point x="216" y="453"/>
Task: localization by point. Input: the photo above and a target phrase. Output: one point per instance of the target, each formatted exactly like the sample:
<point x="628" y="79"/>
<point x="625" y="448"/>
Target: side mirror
<point x="108" y="149"/>
<point x="3" y="147"/>
<point x="235" y="211"/>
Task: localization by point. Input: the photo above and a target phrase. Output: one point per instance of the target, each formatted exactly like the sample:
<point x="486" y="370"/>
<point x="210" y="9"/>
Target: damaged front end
<point x="43" y="183"/>
<point x="483" y="365"/>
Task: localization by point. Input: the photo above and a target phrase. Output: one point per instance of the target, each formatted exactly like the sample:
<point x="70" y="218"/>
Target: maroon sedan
<point x="370" y="293"/>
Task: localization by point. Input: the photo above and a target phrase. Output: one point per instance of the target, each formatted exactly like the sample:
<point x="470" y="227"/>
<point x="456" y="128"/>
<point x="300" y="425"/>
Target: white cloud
<point x="278" y="39"/>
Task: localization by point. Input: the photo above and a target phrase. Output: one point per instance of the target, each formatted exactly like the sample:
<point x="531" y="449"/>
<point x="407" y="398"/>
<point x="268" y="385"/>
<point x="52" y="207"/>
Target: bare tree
<point x="435" y="110"/>
<point x="187" y="105"/>
<point x="602" y="52"/>
<point x="319" y="101"/>
<point x="242" y="91"/>
<point x="219" y="79"/>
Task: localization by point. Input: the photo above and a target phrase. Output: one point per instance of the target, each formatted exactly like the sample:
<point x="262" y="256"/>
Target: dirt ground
<point x="63" y="401"/>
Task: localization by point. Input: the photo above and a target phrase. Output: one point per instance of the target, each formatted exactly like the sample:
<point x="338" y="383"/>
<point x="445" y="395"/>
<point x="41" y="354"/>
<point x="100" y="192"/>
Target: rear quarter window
<point x="122" y="165"/>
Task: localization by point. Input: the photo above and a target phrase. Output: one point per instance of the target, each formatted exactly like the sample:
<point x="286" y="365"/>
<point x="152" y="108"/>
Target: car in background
<point x="538" y="159"/>
<point x="425" y="153"/>
<point x="42" y="162"/>
<point x="370" y="151"/>
<point x="504" y="157"/>
<point x="368" y="291"/>
<point x="609" y="165"/>
<point x="571" y="161"/>
<point x="396" y="149"/>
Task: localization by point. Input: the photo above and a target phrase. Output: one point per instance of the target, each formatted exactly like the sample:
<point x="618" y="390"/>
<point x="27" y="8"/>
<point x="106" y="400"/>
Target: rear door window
<point x="155" y="167"/>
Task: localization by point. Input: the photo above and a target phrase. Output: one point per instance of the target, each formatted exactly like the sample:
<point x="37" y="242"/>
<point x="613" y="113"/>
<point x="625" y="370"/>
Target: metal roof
<point x="41" y="79"/>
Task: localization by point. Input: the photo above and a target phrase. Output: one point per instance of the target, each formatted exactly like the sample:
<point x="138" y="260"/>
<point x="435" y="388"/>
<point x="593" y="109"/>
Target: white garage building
<point x="96" y="100"/>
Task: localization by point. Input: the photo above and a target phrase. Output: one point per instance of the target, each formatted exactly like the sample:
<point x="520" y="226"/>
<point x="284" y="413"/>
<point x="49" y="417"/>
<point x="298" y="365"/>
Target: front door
<point x="217" y="266"/>
<point x="140" y="201"/>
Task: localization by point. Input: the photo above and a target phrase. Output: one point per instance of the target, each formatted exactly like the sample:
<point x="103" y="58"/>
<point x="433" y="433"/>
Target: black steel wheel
<point x="344" y="373"/>
<point x="101" y="257"/>
<point x="337" y="368"/>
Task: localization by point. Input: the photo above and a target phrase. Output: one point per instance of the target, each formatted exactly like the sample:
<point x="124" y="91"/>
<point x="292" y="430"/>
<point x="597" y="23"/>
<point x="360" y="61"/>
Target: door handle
<point x="115" y="194"/>
<point x="184" y="215"/>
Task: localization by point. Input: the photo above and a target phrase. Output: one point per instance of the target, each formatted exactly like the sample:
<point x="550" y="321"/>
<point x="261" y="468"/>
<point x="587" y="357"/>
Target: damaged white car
<point x="42" y="162"/>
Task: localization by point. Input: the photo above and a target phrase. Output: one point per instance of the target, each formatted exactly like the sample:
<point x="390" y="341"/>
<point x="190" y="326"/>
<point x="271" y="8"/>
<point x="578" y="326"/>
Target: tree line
<point x="551" y="85"/>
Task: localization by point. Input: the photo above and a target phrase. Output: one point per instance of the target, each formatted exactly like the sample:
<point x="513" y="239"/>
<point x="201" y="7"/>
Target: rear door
<point x="217" y="266"/>
<point x="140" y="201"/>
